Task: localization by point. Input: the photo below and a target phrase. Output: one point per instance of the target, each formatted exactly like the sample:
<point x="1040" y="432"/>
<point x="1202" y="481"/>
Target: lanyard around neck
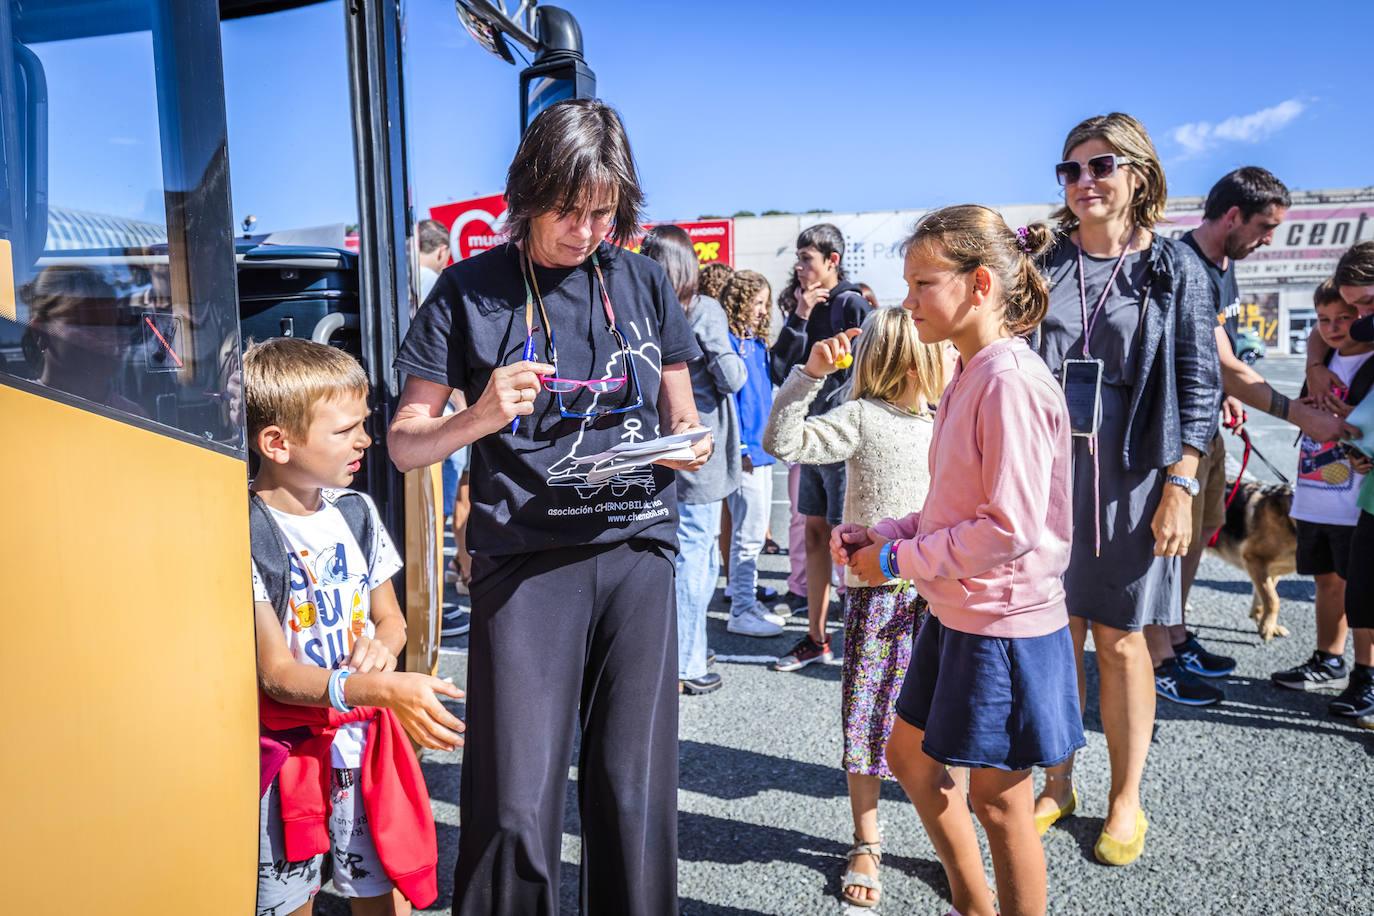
<point x="1090" y="323"/>
<point x="533" y="296"/>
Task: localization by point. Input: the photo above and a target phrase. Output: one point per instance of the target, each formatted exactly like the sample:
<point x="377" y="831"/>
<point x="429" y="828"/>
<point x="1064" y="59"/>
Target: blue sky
<point x="770" y="105"/>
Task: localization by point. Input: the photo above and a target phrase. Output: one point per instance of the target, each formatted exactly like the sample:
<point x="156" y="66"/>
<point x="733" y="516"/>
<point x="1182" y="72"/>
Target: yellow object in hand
<point x="845" y="361"/>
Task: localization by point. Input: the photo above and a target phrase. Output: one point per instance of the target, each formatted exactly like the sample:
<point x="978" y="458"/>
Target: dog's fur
<point x="1260" y="538"/>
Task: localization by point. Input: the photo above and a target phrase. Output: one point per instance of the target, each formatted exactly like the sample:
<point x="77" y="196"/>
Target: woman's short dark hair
<point x="672" y="247"/>
<point x="573" y="150"/>
<point x="826" y="239"/>
<point x="1251" y="188"/>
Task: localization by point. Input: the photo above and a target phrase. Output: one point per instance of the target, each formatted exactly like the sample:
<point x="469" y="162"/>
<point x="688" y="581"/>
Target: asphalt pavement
<point x="1261" y="805"/>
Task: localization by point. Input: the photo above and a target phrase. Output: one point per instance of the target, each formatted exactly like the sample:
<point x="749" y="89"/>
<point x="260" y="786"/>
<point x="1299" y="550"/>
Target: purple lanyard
<point x="1090" y="323"/>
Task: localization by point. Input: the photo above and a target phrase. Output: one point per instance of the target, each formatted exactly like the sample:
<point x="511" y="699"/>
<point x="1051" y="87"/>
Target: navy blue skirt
<point x="989" y="701"/>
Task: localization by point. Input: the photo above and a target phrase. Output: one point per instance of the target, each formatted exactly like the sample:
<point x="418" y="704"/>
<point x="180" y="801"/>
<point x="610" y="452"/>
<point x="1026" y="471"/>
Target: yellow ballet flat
<point x="1043" y="821"/>
<point x="1115" y="852"/>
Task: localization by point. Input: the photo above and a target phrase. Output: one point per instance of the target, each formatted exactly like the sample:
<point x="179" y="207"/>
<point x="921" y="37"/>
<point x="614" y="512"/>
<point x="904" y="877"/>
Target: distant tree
<point x="710" y="216"/>
<point x="820" y="210"/>
<point x="739" y="213"/>
<point x="774" y="213"/>
<point x="350" y="228"/>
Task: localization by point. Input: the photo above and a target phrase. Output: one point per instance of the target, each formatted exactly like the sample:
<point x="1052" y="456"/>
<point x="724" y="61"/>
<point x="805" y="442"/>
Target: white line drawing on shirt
<point x="571" y="470"/>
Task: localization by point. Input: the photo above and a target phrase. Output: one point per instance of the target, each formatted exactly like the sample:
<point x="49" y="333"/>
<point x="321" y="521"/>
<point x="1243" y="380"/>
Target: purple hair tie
<point x="1023" y="244"/>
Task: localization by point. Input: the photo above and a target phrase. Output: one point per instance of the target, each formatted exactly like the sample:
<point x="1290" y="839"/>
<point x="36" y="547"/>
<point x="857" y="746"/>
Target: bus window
<point x="123" y="272"/>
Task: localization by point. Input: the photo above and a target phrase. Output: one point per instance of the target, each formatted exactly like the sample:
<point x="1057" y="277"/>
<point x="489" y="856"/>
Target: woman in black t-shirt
<point x="564" y="346"/>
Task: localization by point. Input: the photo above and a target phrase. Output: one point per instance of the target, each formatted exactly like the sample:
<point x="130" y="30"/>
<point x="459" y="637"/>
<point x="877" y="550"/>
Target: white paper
<point x="613" y="466"/>
<point x="662" y="444"/>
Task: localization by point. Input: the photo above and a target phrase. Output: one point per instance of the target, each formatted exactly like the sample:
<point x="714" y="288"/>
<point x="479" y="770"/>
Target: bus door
<point x="130" y="762"/>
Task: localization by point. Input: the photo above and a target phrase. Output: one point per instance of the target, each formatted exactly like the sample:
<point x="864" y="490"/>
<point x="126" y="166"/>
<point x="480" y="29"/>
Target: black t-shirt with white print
<point x="529" y="489"/>
<point x="1224" y="288"/>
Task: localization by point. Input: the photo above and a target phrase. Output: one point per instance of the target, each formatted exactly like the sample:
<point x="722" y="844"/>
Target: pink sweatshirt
<point x="989" y="547"/>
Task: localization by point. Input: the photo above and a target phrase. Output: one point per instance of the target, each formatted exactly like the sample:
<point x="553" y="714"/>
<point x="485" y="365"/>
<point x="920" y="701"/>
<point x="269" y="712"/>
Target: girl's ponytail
<point x="1027" y="299"/>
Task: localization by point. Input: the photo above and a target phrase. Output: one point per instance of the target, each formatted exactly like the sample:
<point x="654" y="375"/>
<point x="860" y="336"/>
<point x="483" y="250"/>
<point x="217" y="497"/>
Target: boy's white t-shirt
<point x="1327" y="485"/>
<point x="331" y="592"/>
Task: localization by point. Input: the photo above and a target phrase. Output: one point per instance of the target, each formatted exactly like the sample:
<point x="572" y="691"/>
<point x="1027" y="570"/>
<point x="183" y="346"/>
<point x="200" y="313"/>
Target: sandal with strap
<point x="852" y="878"/>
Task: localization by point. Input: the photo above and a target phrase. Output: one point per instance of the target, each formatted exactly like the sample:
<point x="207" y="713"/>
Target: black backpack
<point x="270" y="551"/>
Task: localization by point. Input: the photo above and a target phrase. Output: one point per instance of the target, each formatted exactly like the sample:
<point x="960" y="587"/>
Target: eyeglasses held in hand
<point x="561" y="386"/>
<point x="1099" y="167"/>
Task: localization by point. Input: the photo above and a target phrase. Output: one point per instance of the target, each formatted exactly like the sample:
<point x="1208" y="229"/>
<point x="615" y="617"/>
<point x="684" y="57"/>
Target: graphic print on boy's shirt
<point x="331" y="589"/>
<point x="1327" y="483"/>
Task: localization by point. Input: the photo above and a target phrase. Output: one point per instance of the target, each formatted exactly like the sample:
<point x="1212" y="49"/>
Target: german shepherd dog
<point x="1260" y="538"/>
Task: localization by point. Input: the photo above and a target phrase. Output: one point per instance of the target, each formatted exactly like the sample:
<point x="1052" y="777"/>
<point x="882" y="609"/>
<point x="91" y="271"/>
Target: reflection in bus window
<point x="111" y="308"/>
<point x="78" y="335"/>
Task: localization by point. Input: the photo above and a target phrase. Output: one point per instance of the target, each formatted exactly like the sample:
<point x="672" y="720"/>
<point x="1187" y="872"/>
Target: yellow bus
<point x="131" y="761"/>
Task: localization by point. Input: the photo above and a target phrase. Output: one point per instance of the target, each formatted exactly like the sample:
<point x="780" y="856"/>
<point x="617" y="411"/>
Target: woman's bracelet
<point x="336" y="689"/>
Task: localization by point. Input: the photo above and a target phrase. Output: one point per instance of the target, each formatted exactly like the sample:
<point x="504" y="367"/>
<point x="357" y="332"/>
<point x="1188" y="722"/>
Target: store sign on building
<point x="1305" y="248"/>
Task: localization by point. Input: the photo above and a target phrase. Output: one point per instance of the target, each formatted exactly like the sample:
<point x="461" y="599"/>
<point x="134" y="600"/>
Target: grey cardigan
<point x="716" y="375"/>
<point x="1175" y="393"/>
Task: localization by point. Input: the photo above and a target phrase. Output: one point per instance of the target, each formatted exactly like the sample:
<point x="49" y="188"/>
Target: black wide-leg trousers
<point x="559" y="637"/>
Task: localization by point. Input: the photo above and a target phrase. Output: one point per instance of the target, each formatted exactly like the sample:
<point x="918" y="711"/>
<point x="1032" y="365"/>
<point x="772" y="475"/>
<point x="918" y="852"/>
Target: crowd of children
<point x="945" y="502"/>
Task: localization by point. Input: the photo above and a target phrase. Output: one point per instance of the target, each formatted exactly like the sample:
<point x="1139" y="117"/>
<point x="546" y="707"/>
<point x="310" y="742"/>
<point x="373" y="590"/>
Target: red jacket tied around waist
<point x="394" y="793"/>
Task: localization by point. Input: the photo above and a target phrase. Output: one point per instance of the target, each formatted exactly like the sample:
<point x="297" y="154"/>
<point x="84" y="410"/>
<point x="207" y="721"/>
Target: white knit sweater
<point x="884" y="448"/>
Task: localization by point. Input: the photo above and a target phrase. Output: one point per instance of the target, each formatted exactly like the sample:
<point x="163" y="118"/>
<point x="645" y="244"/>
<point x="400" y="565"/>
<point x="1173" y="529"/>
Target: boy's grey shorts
<point x="284" y="886"/>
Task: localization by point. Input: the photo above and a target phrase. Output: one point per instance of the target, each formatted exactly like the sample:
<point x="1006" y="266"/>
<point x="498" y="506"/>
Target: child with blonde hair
<point x="885" y="422"/>
<point x="992" y="684"/>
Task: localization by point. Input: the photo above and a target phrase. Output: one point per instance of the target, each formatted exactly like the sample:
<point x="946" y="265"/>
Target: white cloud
<point x="1200" y="136"/>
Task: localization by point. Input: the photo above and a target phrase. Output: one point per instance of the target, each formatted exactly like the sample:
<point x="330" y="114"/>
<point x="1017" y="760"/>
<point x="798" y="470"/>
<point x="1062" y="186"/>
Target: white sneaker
<point x="753" y="623"/>
<point x="767" y="614"/>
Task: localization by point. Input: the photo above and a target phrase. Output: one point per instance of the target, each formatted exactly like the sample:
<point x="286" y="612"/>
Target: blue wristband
<point x="885" y="560"/>
<point x="336" y="691"/>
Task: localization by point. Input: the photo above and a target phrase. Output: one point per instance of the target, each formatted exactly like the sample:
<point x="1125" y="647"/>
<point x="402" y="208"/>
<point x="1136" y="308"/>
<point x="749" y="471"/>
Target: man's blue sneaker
<point x="1198" y="660"/>
<point x="1179" y="685"/>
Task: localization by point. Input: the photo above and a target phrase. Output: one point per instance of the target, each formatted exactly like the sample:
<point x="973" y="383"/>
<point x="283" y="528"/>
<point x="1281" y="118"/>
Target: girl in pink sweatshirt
<point x="992" y="684"/>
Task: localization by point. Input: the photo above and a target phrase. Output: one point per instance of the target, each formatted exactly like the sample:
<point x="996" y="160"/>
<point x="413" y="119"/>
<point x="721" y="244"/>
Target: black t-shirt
<point x="529" y="489"/>
<point x="1224" y="290"/>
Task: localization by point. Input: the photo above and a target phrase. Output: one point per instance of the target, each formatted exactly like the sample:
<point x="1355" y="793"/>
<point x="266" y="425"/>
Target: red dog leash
<point x="1244" y="461"/>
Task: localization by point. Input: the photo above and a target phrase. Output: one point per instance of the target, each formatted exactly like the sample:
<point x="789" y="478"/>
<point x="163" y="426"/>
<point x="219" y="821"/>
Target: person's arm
<point x="823" y="439"/>
<point x="410" y="695"/>
<point x="677" y="412"/>
<point x="420" y="434"/>
<point x="789" y="349"/>
<point x="1241" y="381"/>
<point x="1320" y="379"/>
<point x="727" y="369"/>
<point x="1197" y="380"/>
<point x="1019" y="434"/>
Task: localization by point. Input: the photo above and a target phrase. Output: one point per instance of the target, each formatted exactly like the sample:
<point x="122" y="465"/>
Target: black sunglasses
<point x="1099" y="167"/>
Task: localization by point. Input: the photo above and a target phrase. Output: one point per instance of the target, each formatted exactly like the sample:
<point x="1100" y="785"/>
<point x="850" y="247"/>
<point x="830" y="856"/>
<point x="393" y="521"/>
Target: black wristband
<point x="1278" y="405"/>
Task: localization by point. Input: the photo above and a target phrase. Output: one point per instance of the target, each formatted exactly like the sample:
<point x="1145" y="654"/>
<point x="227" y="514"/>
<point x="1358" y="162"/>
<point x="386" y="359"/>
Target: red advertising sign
<point x="714" y="240"/>
<point x="472" y="226"/>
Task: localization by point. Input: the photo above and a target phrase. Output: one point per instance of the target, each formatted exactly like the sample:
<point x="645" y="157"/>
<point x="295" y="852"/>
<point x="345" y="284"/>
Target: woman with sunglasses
<point x="1143" y="387"/>
<point x="563" y="346"/>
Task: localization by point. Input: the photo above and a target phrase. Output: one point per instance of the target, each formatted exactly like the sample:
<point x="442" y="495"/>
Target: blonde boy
<point x="336" y="641"/>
